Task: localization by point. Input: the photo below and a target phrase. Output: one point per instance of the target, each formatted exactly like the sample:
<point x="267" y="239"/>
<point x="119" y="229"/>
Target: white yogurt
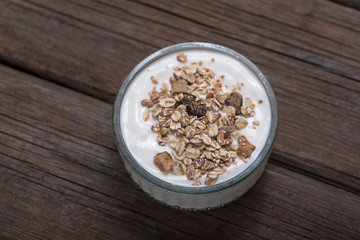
<point x="142" y="142"/>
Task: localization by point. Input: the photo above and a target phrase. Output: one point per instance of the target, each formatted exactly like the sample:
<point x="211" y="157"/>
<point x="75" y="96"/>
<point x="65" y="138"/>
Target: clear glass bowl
<point x="195" y="198"/>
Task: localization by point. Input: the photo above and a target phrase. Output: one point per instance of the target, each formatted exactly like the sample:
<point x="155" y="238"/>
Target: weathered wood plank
<point x="315" y="76"/>
<point x="66" y="179"/>
<point x="61" y="177"/>
<point x="350" y="3"/>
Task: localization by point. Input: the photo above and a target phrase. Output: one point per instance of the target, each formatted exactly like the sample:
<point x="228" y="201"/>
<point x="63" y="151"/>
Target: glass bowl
<point x="204" y="197"/>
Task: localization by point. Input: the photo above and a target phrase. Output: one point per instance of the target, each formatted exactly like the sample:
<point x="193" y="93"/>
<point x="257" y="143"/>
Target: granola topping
<point x="199" y="121"/>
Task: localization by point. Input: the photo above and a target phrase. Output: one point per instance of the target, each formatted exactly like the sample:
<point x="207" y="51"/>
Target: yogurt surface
<point x="142" y="142"/>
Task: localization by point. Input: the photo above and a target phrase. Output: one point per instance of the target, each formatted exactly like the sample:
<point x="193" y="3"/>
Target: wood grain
<point x="61" y="177"/>
<point x="309" y="54"/>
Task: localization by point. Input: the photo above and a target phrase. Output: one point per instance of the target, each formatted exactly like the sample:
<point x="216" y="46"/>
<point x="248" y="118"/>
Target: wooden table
<point x="62" y="62"/>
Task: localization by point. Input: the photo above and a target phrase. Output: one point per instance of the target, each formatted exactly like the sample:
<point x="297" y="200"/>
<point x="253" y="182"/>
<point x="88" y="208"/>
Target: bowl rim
<point x="169" y="187"/>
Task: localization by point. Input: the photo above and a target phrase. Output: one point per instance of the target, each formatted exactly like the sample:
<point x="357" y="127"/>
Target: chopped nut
<point x="221" y="98"/>
<point x="147" y="103"/>
<point x="260" y="101"/>
<point x="179" y="86"/>
<point x="163" y="161"/>
<point x="245" y="148"/>
<point x="181" y="57"/>
<point x="235" y="100"/>
<point x="241" y="123"/>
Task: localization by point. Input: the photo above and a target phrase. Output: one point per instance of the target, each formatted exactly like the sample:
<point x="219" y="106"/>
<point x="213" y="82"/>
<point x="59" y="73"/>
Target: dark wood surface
<point x="62" y="62"/>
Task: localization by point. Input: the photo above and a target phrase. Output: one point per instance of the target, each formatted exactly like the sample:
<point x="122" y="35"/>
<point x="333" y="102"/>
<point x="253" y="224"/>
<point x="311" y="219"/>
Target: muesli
<point x="200" y="122"/>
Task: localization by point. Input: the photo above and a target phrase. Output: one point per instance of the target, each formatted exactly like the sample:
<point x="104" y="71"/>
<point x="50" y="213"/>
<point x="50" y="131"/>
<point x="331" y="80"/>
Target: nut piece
<point x="181" y="57"/>
<point x="235" y="100"/>
<point x="163" y="161"/>
<point x="180" y="86"/>
<point x="241" y="123"/>
<point x="245" y="148"/>
<point x="221" y="98"/>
